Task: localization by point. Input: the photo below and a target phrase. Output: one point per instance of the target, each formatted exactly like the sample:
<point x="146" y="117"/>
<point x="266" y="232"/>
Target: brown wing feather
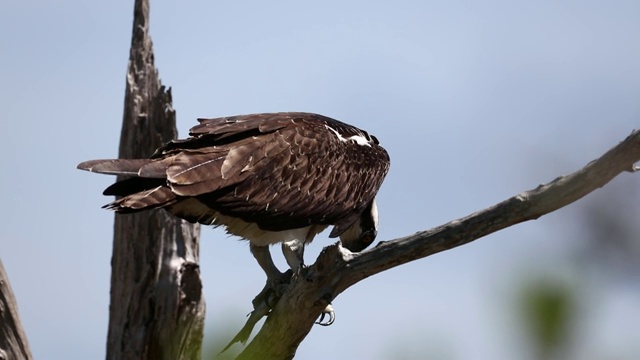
<point x="281" y="170"/>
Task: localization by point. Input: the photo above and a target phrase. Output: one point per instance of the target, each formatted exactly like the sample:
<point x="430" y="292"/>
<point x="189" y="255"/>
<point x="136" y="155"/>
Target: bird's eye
<point x="366" y="239"/>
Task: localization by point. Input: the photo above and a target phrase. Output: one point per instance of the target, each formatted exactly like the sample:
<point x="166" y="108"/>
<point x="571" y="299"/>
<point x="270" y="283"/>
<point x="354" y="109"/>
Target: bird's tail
<point x="114" y="166"/>
<point x="137" y="193"/>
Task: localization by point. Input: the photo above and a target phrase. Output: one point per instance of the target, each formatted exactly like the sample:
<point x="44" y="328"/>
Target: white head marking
<point x="358" y="139"/>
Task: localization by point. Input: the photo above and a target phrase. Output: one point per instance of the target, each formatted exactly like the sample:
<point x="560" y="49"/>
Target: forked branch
<point x="336" y="269"/>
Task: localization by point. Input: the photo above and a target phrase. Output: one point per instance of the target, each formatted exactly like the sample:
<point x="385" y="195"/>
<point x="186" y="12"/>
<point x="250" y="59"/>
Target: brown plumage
<point x="280" y="177"/>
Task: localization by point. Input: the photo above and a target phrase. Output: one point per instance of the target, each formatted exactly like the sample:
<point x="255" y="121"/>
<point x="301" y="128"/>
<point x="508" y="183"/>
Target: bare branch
<point x="336" y="269"/>
<point x="528" y="205"/>
<point x="13" y="341"/>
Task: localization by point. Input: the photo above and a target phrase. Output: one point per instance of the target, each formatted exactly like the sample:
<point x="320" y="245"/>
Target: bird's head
<point x="362" y="233"/>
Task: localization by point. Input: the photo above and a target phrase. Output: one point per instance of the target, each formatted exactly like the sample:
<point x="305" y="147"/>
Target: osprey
<point x="267" y="178"/>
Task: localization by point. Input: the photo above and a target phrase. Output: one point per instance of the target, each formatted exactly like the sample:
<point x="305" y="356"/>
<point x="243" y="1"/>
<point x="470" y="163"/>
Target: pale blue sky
<point x="475" y="101"/>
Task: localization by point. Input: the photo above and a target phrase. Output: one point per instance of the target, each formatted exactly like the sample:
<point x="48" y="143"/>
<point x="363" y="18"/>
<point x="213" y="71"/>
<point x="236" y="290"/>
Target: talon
<point x="274" y="288"/>
<point x="332" y="316"/>
<point x="302" y="270"/>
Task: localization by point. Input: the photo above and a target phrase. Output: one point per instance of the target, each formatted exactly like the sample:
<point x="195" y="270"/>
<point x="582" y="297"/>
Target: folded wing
<point x="281" y="171"/>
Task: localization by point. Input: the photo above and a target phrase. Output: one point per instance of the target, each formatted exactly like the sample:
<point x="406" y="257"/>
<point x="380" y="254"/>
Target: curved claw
<point x="273" y="290"/>
<point x="332" y="316"/>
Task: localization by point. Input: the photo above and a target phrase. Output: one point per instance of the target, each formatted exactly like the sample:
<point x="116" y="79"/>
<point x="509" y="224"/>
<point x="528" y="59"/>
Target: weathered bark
<point x="336" y="269"/>
<point x="157" y="307"/>
<point x="13" y="340"/>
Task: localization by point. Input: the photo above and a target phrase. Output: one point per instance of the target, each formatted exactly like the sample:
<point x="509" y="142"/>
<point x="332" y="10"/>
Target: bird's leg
<point x="263" y="256"/>
<point x="276" y="281"/>
<point x="293" y="251"/>
<point x="269" y="295"/>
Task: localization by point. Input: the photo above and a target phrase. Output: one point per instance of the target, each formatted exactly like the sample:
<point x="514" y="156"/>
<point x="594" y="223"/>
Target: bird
<point x="267" y="178"/>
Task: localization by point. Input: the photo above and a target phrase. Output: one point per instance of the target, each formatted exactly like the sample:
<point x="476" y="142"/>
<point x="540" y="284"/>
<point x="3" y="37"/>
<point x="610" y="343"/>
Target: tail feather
<point x="114" y="166"/>
<point x="158" y="197"/>
<point x="133" y="185"/>
<point x="138" y="193"/>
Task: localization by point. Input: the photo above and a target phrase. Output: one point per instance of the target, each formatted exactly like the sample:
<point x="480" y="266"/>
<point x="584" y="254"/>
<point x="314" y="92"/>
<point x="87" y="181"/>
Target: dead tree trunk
<point x="157" y="308"/>
<point x="13" y="341"/>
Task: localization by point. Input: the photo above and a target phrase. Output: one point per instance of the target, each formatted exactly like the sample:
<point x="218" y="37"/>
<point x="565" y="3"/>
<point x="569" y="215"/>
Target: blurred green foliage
<point x="547" y="309"/>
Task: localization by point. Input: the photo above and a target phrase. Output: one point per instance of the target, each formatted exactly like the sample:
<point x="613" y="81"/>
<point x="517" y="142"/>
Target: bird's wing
<point x="292" y="170"/>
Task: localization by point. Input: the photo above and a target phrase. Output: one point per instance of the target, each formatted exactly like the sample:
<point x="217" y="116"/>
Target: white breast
<point x="259" y="237"/>
<point x="246" y="230"/>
